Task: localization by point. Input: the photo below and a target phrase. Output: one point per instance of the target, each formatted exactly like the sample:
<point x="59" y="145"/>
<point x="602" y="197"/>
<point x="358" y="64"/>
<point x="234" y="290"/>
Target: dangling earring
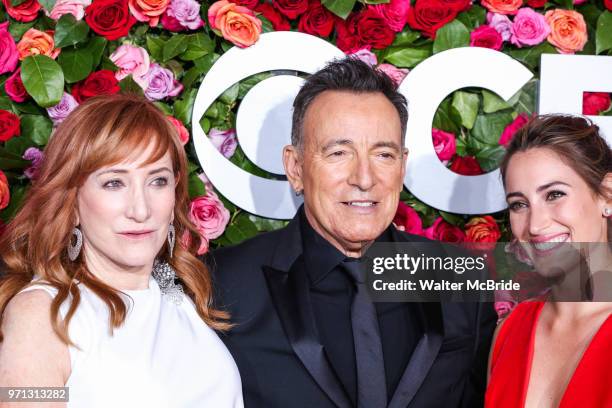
<point x="164" y="275"/>
<point x="74" y="250"/>
<point x="607" y="212"/>
<point x="171" y="239"/>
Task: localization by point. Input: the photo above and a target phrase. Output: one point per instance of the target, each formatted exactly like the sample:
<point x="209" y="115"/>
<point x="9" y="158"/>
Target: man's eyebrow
<point x="391" y="145"/>
<point x="124" y="171"/>
<point x="336" y="142"/>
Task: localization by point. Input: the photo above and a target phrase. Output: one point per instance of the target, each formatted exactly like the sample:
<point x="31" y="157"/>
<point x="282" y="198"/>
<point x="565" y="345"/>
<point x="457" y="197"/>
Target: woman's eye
<point x="554" y="195"/>
<point x="516" y="206"/>
<point x="113" y="184"/>
<point x="160" y="181"/>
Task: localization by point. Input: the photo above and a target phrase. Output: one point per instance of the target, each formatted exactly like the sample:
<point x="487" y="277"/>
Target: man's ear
<point x="293" y="167"/>
<point x="404" y="162"/>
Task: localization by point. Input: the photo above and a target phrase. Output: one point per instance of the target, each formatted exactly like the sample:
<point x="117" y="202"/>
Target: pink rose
<point x="209" y="215"/>
<point x="14" y="87"/>
<point x="9" y="57"/>
<point x="487" y="37"/>
<point x="366" y="56"/>
<point x="441" y="230"/>
<point x="186" y="13"/>
<point x="445" y="144"/>
<point x="395" y="13"/>
<point x="74" y="7"/>
<point x="501" y="23"/>
<point x="148" y="11"/>
<point x="503" y="307"/>
<point x="408" y="220"/>
<point x="510" y="130"/>
<point x="132" y="60"/>
<point x="397" y="75"/>
<point x="224" y="140"/>
<point x="529" y="28"/>
<point x="180" y="128"/>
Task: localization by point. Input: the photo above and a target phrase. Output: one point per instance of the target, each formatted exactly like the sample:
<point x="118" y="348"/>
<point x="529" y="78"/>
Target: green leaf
<point x="603" y="35"/>
<point x="241" y="229"/>
<point x="190" y="77"/>
<point x="443" y="120"/>
<point x="591" y="13"/>
<point x="524" y="101"/>
<point x="406" y="37"/>
<point x="129" y="86"/>
<point x="76" y="64"/>
<point x="229" y="96"/>
<point x="451" y="35"/>
<point x="15" y="3"/>
<point x="490" y="157"/>
<point x="37" y="127"/>
<point x="491" y="102"/>
<point x="198" y="46"/>
<point x="488" y="128"/>
<point x="266" y="25"/>
<point x="453" y="219"/>
<point x="246" y="84"/>
<point x="95" y="47"/>
<point x="374" y="1"/>
<point x="267" y="224"/>
<point x="408" y="57"/>
<point x="196" y="186"/>
<point x="341" y="8"/>
<point x="43" y="79"/>
<point x="13" y="164"/>
<point x="176" y="45"/>
<point x="466" y="105"/>
<point x="473" y="17"/>
<point x="155" y="45"/>
<point x="183" y="107"/>
<point x="18" y="29"/>
<point x="5" y="103"/>
<point x="47" y="4"/>
<point x="16" y="146"/>
<point x="206" y="62"/>
<point x="29" y="107"/>
<point x="530" y="56"/>
<point x="17" y="195"/>
<point x="69" y="31"/>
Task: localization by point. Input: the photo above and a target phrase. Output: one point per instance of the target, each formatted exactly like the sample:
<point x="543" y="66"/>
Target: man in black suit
<point x="304" y="336"/>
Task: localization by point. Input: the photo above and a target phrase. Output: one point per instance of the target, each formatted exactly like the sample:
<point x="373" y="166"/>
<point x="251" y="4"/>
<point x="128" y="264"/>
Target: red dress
<point x="590" y="385"/>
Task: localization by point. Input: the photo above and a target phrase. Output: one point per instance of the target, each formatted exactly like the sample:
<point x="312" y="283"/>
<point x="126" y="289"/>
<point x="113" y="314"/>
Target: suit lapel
<point x="289" y="289"/>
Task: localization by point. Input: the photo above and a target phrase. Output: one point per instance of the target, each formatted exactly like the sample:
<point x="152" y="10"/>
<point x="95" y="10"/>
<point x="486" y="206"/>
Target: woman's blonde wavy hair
<point x="102" y="131"/>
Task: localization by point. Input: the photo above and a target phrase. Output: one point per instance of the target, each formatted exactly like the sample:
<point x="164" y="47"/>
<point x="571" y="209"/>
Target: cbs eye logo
<point x="263" y="122"/>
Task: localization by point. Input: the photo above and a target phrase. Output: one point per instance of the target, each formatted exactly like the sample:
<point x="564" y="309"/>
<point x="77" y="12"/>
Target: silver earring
<point x="171" y="239"/>
<point x="607" y="212"/>
<point x="164" y="275"/>
<point x="75" y="249"/>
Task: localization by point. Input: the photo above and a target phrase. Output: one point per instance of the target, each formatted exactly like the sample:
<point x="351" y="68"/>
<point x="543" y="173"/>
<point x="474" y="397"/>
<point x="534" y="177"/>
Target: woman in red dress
<point x="554" y="352"/>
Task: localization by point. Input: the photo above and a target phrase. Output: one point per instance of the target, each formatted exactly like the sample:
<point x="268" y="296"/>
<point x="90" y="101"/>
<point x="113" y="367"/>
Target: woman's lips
<point x="137" y="234"/>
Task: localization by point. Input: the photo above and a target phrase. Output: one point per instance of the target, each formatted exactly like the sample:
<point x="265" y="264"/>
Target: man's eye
<point x="554" y="195"/>
<point x="338" y="153"/>
<point x="386" y="155"/>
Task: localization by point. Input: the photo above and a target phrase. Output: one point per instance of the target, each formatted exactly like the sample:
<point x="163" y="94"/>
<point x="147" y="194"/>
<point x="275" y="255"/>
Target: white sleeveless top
<point x="163" y="355"/>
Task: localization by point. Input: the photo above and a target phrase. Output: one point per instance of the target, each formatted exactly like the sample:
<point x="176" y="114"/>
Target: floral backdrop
<point x="55" y="54"/>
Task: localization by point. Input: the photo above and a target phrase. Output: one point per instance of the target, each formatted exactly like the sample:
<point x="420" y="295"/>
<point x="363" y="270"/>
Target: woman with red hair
<point x="99" y="295"/>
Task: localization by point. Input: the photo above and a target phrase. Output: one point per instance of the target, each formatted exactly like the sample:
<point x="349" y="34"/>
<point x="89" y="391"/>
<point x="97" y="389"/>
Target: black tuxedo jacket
<point x="281" y="361"/>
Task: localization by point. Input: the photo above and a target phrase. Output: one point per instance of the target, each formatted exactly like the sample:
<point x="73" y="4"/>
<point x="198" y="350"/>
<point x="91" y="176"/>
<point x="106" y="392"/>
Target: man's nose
<point x="362" y="174"/>
<point x="138" y="206"/>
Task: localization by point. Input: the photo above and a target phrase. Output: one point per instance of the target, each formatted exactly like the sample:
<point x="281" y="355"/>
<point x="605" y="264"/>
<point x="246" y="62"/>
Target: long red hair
<point x="102" y="131"/>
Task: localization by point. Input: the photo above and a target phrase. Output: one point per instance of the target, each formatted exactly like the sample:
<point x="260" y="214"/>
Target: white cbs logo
<point x="263" y="122"/>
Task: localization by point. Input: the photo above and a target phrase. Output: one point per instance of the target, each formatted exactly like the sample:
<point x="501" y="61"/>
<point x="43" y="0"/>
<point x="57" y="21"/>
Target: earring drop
<point x="75" y="249"/>
<point x="607" y="212"/>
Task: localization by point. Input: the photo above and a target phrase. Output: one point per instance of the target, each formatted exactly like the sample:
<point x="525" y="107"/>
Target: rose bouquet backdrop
<point x="54" y="54"/>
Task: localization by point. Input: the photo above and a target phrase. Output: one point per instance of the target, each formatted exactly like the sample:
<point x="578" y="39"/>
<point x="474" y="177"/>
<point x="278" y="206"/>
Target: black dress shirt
<point x="331" y="292"/>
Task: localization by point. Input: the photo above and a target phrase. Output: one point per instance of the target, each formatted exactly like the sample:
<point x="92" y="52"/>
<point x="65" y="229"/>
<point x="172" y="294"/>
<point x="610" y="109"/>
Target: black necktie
<point x="371" y="383"/>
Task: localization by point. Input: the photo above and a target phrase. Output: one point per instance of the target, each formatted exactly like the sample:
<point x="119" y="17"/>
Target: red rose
<point x="366" y="29"/>
<point x="291" y="8"/>
<point x="441" y="230"/>
<point x="508" y="133"/>
<point x="487" y="37"/>
<point x="467" y="166"/>
<point x="537" y="3"/>
<point x="456" y="5"/>
<point x="484" y="231"/>
<point x="14" y="87"/>
<point x="9" y="125"/>
<point x="279" y="22"/>
<point x="5" y="196"/>
<point x="101" y="82"/>
<point x="317" y="20"/>
<point x="171" y="23"/>
<point x="430" y="15"/>
<point x="25" y="12"/>
<point x="109" y="18"/>
<point x="593" y="103"/>
<point x="608" y="4"/>
<point x="246" y="3"/>
<point x="408" y="220"/>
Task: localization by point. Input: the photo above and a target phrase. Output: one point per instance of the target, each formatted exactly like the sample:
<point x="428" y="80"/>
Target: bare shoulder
<point x="32" y="354"/>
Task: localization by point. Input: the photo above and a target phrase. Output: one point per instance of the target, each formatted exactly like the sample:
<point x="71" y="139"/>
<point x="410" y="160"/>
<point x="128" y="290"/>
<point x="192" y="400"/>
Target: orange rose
<point x="36" y="42"/>
<point x="148" y="10"/>
<point x="235" y="23"/>
<point x="5" y="193"/>
<point x="502" y="6"/>
<point x="568" y="31"/>
<point x="484" y="231"/>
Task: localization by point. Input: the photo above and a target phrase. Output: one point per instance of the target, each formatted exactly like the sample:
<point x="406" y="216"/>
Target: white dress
<point x="163" y="355"/>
